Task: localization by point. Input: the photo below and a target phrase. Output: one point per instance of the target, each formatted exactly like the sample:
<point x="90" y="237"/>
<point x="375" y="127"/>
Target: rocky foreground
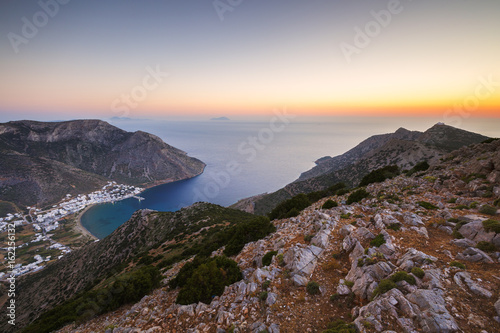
<point x="405" y="259"/>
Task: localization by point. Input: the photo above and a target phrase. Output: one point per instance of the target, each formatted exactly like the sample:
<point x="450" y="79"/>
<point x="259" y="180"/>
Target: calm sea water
<point x="246" y="158"/>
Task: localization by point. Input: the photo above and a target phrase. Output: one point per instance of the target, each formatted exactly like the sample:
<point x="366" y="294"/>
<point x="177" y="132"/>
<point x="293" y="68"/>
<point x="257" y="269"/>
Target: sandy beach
<point x="79" y="227"/>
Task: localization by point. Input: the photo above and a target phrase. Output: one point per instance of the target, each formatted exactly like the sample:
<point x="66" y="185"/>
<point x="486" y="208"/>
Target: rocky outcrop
<point x="42" y="162"/>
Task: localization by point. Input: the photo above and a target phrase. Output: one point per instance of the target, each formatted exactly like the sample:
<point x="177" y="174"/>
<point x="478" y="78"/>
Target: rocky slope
<point x="83" y="268"/>
<point x="403" y="148"/>
<point x="41" y="162"/>
<point x="405" y="259"/>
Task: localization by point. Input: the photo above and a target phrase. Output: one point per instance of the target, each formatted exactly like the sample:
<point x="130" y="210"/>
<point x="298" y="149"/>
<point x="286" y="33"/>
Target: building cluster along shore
<point x="45" y="221"/>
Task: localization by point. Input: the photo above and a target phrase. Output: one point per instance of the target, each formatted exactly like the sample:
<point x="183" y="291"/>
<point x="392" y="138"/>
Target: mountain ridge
<point x="93" y="152"/>
<point x="403" y="148"/>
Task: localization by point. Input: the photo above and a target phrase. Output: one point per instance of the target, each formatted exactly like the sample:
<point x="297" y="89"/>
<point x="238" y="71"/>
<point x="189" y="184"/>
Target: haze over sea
<point x="245" y="158"/>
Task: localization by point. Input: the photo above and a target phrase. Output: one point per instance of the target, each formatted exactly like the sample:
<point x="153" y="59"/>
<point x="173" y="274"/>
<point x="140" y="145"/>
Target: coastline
<point x="79" y="225"/>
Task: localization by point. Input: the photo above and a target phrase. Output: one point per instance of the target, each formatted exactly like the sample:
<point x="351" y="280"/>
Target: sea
<point x="247" y="157"/>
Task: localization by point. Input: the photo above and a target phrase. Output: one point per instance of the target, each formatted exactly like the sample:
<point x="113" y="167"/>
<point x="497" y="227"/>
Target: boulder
<point x="473" y="254"/>
<point x="434" y="316"/>
<point x="366" y="278"/>
<point x="322" y="238"/>
<point x="415" y="257"/>
<point x="346" y="230"/>
<point x="473" y="286"/>
<point x="363" y="234"/>
<point x="475" y="232"/>
<point x="413" y="219"/>
<point x="497" y="306"/>
<point x="299" y="280"/>
<point x="271" y="298"/>
<point x="464" y="242"/>
<point x="302" y="260"/>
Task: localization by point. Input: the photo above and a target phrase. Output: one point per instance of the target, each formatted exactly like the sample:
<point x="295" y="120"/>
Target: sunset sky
<point x="316" y="57"/>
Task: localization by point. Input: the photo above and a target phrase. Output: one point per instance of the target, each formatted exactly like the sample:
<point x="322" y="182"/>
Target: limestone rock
<point x="473" y="254"/>
<point x="473" y="286"/>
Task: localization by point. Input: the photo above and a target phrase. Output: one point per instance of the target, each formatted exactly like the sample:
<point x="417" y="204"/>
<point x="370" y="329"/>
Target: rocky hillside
<point x="146" y="231"/>
<point x="420" y="254"/>
<point x="41" y="162"/>
<point x="402" y="148"/>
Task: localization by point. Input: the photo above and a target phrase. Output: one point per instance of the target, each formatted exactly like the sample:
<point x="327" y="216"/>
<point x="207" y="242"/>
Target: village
<point x="44" y="222"/>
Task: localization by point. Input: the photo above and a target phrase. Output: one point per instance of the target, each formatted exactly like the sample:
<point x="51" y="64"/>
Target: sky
<point x="66" y="59"/>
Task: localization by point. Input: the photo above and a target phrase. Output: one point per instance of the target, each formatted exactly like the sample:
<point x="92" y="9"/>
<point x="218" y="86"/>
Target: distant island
<point x="220" y="118"/>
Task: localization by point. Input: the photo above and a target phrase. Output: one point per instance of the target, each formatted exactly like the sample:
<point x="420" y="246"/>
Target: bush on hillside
<point x="294" y="205"/>
<point x="486" y="246"/>
<point x="357" y="196"/>
<point x="268" y="257"/>
<point x="247" y="232"/>
<point x="427" y="205"/>
<point x="340" y="326"/>
<point x="491" y="226"/>
<point x="421" y="166"/>
<point x="379" y="175"/>
<point x="384" y="286"/>
<point x="378" y="240"/>
<point x="488" y="210"/>
<point x="418" y="272"/>
<point x="329" y="204"/>
<point x="209" y="279"/>
<point x="127" y="288"/>
<point x="312" y="288"/>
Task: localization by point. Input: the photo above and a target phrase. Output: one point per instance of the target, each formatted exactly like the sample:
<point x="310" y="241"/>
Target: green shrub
<point x="394" y="226"/>
<point x="497" y="203"/>
<point x="281" y="261"/>
<point x="453" y="220"/>
<point x="378" y="240"/>
<point x="263" y="296"/>
<point x="340" y="326"/>
<point x="379" y="175"/>
<point x="312" y="288"/>
<point x="384" y="286"/>
<point x="268" y="257"/>
<point x="208" y="279"/>
<point x="244" y="233"/>
<point x="426" y="205"/>
<point x="126" y="289"/>
<point x="418" y="272"/>
<point x="266" y="284"/>
<point x="421" y="166"/>
<point x="487" y="209"/>
<point x="452" y="200"/>
<point x="329" y="204"/>
<point x="350" y="284"/>
<point x="357" y="196"/>
<point x="335" y="297"/>
<point x="473" y="205"/>
<point x="460" y="207"/>
<point x="291" y="207"/>
<point x="491" y="225"/>
<point x="457" y="235"/>
<point x="308" y="238"/>
<point x="486" y="246"/>
<point x="342" y="191"/>
<point x="457" y="264"/>
<point x="403" y="276"/>
<point x="345" y="216"/>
